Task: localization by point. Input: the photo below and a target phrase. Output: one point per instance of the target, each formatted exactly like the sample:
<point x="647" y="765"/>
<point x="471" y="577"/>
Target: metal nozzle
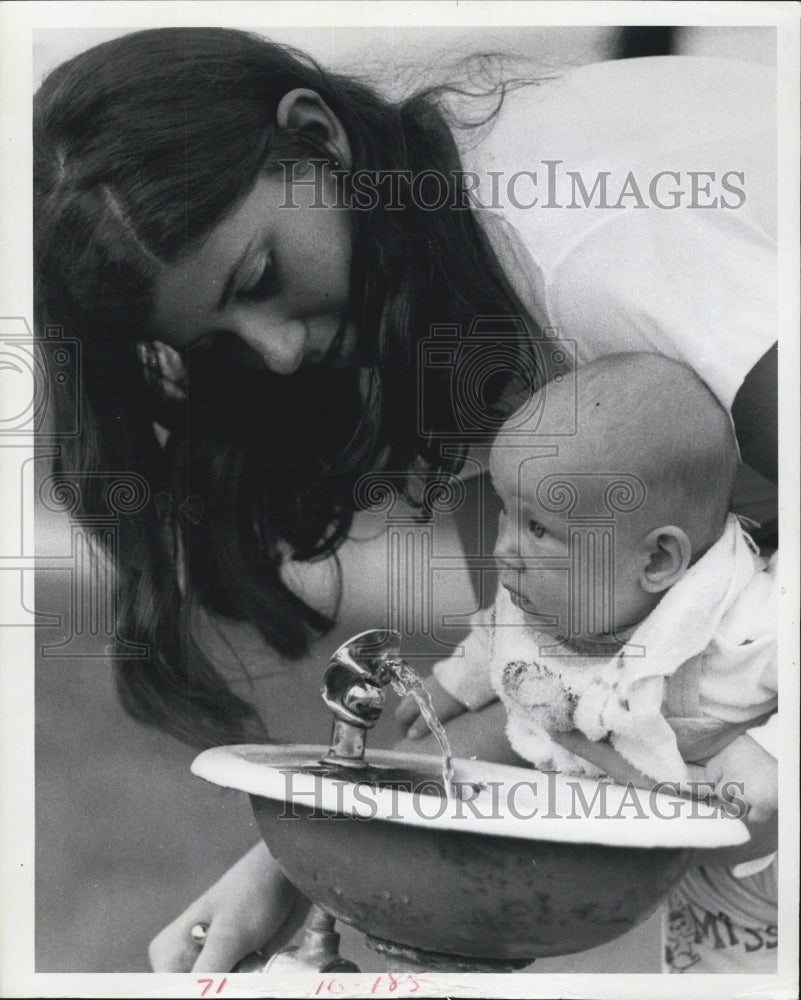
<point x="354" y="689"/>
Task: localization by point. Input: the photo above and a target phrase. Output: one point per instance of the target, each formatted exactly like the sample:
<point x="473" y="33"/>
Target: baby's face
<point x="579" y="579"/>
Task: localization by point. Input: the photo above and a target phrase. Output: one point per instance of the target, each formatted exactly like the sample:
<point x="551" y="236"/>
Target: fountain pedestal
<point x="318" y="951"/>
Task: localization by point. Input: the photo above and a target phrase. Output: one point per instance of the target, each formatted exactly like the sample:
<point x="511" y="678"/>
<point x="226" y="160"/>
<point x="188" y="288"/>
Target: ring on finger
<point x="198" y="933"/>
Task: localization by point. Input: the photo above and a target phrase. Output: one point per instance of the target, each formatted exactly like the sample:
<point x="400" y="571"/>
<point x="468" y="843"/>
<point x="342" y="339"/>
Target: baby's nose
<point x="506" y="551"/>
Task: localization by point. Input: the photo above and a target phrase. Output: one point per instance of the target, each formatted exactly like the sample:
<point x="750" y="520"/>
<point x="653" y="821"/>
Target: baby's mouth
<point x="516" y="597"/>
<point x="521" y="601"/>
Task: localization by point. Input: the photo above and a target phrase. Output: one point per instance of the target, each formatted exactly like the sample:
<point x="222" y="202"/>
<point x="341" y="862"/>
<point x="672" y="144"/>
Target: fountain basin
<point x="528" y="864"/>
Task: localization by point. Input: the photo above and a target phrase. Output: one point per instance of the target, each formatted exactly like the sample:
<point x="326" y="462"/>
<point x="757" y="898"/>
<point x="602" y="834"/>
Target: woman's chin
<point x="343" y="348"/>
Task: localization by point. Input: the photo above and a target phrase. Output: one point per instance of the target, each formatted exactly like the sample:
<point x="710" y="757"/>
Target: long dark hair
<point x="141" y="146"/>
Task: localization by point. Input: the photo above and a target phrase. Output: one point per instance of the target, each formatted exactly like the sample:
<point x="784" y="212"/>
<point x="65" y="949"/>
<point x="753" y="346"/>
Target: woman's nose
<point x="506" y="550"/>
<point x="280" y="344"/>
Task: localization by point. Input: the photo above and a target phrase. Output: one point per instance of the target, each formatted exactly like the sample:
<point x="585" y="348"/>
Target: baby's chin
<point x="596" y="645"/>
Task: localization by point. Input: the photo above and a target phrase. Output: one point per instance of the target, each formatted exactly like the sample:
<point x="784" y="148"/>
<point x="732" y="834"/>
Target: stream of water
<point x="406" y="681"/>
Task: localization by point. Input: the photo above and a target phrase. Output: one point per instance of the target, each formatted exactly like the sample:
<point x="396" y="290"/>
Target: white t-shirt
<point x="695" y="283"/>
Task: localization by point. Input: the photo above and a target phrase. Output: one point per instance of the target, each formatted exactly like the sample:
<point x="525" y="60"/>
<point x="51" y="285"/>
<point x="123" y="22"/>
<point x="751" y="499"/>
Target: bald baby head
<point x="646" y="415"/>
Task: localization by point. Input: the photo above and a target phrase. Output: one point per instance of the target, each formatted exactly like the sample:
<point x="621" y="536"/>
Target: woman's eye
<point x="536" y="529"/>
<point x="261" y="283"/>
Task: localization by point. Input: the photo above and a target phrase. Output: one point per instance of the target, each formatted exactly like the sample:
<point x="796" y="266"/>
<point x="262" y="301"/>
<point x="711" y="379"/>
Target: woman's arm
<point x="253" y="906"/>
<point x="755" y="412"/>
<point x="742" y="761"/>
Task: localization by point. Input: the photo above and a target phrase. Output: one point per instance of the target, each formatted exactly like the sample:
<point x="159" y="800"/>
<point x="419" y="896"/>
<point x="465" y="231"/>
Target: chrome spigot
<point x="354" y="688"/>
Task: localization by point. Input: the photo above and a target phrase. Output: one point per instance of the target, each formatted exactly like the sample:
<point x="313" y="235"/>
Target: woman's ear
<point x="668" y="553"/>
<point x="305" y="111"/>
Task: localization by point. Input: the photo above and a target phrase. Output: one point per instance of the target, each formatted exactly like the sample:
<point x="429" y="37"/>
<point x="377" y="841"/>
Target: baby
<point x="651" y="625"/>
<point x="633" y="609"/>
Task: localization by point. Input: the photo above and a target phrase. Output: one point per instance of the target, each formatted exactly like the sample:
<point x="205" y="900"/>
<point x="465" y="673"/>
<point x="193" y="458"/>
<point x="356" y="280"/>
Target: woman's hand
<point x="749" y="771"/>
<point x="745" y="772"/>
<point x="604" y="756"/>
<point x="751" y="774"/>
<point x="253" y="906"/>
<point x="445" y="707"/>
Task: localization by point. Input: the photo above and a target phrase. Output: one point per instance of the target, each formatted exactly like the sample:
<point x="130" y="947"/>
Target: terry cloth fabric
<point x="537" y="677"/>
<point x="624" y="701"/>
<point x="708" y="671"/>
<point x="540" y="680"/>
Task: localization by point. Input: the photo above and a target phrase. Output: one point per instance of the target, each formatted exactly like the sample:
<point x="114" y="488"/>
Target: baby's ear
<point x="668" y="553"/>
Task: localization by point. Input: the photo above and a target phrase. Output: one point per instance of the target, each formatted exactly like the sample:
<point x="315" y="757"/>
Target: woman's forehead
<point x="190" y="289"/>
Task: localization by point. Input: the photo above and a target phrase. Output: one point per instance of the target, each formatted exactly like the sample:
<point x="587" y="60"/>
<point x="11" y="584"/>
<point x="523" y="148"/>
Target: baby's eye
<point x="536" y="529"/>
<point x="261" y="283"/>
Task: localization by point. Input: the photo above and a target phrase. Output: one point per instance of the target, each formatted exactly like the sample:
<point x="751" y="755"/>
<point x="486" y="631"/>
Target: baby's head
<point x="641" y="419"/>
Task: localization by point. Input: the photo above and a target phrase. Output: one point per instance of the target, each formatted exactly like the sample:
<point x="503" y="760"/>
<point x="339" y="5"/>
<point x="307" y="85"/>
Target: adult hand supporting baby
<point x="749" y="774"/>
<point x="749" y="771"/>
<point x="252" y="907"/>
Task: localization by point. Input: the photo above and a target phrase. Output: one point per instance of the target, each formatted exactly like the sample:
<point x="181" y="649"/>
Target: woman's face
<point x="270" y="285"/>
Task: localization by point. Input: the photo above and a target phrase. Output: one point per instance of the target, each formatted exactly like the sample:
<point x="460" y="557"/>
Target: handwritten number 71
<point x="209" y="983"/>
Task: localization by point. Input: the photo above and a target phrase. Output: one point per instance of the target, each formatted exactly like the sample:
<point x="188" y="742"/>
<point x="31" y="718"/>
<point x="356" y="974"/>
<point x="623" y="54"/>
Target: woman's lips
<point x="339" y="351"/>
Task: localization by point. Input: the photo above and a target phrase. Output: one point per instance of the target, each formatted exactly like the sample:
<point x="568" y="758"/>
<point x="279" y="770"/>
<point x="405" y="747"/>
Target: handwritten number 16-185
<point x="388" y="983"/>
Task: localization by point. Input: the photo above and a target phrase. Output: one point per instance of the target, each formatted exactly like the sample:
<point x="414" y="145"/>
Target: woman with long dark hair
<point x="275" y="346"/>
<point x="251" y="249"/>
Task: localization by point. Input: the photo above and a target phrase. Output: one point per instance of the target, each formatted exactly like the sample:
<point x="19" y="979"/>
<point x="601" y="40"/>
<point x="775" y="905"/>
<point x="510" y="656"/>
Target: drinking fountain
<point x="459" y="865"/>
